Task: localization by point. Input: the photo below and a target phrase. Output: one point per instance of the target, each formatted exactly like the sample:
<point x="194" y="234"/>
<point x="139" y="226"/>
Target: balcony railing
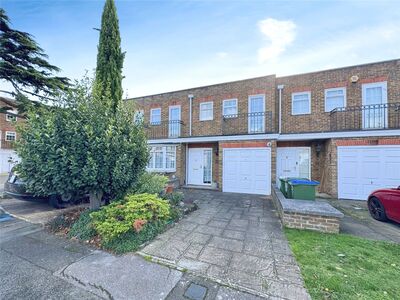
<point x="365" y="117"/>
<point x="251" y="123"/>
<point x="164" y="129"/>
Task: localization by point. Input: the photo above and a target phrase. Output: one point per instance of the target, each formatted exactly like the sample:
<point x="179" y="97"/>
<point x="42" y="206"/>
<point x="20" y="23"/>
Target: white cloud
<point x="222" y="54"/>
<point x="280" y="34"/>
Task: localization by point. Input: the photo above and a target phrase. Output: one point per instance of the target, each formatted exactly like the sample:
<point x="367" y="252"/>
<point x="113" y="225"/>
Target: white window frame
<point x="13" y="116"/>
<point x="136" y="115"/>
<point x="163" y="169"/>
<point x="209" y="118"/>
<point x="335" y="89"/>
<point x="174" y="129"/>
<point x="223" y="106"/>
<point x="10" y="132"/>
<point x="309" y="103"/>
<point x="151" y="116"/>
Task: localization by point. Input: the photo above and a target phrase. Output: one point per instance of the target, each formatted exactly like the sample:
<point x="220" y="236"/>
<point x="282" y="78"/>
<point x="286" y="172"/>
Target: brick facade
<point x="324" y="163"/>
<point x="8" y="125"/>
<point x="317" y="82"/>
<point x="240" y="90"/>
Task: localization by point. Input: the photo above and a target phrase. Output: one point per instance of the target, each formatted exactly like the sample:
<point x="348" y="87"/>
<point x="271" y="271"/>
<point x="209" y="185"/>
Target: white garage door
<point x="5" y="157"/>
<point x="362" y="169"/>
<point x="247" y="170"/>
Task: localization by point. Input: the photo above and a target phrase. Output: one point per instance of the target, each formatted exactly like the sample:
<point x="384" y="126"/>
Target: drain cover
<point x="5" y="217"/>
<point x="196" y="292"/>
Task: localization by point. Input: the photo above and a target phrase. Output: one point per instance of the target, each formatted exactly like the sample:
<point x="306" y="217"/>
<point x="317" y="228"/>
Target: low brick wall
<point x="304" y="214"/>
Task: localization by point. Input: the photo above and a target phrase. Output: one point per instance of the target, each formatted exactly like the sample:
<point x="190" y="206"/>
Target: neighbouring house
<point x="340" y="127"/>
<point x="8" y="135"/>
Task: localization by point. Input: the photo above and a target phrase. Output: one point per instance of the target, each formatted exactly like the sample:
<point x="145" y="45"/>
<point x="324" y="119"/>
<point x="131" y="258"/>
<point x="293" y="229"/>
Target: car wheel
<point x="56" y="202"/>
<point x="376" y="209"/>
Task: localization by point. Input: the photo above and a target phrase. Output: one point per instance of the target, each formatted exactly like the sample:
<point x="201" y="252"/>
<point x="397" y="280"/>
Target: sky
<point x="173" y="45"/>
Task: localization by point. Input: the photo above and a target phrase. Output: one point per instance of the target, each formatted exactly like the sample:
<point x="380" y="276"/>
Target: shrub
<point x="131" y="240"/>
<point x="174" y="198"/>
<point x="83" y="228"/>
<point x="122" y="216"/>
<point x="151" y="183"/>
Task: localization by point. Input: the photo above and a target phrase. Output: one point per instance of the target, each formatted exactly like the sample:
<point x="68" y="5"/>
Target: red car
<point x="385" y="204"/>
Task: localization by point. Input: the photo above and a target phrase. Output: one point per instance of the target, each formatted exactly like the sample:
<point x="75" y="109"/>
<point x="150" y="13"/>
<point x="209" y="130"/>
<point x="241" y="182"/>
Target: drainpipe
<point x="190" y="114"/>
<point x="280" y="88"/>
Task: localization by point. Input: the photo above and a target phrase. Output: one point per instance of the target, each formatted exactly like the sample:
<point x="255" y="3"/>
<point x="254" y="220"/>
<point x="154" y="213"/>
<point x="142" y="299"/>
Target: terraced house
<point x="340" y="127"/>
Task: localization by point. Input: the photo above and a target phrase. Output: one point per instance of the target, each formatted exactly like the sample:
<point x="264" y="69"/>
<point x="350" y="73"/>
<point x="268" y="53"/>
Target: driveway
<point x="358" y="222"/>
<point x="236" y="240"/>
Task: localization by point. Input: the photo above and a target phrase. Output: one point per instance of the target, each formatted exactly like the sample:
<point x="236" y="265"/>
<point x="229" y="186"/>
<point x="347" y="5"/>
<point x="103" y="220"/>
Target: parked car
<point x="15" y="186"/>
<point x="384" y="204"/>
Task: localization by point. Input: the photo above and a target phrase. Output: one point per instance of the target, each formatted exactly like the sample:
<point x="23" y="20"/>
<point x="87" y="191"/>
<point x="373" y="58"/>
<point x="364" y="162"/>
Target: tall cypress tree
<point x="110" y="59"/>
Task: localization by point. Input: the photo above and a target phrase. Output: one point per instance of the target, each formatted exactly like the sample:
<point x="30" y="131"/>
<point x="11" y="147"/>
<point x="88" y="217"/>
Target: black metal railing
<point x="164" y="129"/>
<point x="250" y="123"/>
<point x="374" y="116"/>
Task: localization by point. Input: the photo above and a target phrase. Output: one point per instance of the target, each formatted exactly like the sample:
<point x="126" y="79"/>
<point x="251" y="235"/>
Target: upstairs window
<point x="11" y="136"/>
<point x="301" y="103"/>
<point x="11" y="118"/>
<point x="206" y="111"/>
<point x="155" y="116"/>
<point x="162" y="159"/>
<point x="138" y="117"/>
<point x="229" y="107"/>
<point x="335" y="98"/>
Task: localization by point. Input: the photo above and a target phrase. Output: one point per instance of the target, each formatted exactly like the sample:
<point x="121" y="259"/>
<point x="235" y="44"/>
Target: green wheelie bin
<point x="303" y="189"/>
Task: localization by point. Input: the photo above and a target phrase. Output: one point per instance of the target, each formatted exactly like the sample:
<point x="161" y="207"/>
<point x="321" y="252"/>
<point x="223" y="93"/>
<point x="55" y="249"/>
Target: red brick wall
<point x="240" y="90"/>
<point x="317" y="82"/>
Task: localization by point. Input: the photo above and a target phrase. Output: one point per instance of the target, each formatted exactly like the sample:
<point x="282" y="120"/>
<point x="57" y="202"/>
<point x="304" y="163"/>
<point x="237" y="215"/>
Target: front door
<point x="174" y="126"/>
<point x="256" y="114"/>
<point x="292" y="162"/>
<point x="374" y="98"/>
<point x="200" y="166"/>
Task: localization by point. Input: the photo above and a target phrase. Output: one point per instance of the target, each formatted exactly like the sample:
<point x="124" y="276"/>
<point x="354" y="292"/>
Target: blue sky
<point x="174" y="45"/>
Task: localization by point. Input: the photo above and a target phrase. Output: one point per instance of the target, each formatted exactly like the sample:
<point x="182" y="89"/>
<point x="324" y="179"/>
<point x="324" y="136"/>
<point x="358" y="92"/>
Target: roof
<point x="9" y="101"/>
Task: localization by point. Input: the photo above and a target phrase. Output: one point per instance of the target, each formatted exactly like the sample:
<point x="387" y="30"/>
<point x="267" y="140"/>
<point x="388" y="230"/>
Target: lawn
<point x="339" y="266"/>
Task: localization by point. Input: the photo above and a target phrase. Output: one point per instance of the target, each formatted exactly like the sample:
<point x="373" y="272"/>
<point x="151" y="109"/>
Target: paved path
<point x="37" y="265"/>
<point x="358" y="222"/>
<point x="236" y="240"/>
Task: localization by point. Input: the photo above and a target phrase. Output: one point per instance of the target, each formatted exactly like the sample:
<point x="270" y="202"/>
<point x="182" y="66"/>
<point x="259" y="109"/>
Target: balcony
<point x="250" y="123"/>
<point x="238" y="124"/>
<point x="164" y="129"/>
<point x="366" y="117"/>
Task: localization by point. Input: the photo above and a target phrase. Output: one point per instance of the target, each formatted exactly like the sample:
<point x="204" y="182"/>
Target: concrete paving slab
<point x="123" y="277"/>
<point x="21" y="280"/>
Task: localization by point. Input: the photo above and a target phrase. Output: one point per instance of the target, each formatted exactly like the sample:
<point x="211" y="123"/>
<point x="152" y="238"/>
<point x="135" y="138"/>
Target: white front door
<point x="292" y="162"/>
<point x="374" y="96"/>
<point x="174" y="126"/>
<point x="247" y="170"/>
<point x="363" y="169"/>
<point x="256" y="114"/>
<point x="200" y="166"/>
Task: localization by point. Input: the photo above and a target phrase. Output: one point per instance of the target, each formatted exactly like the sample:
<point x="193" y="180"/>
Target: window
<point x="206" y="111"/>
<point x="138" y="117"/>
<point x="155" y="116"/>
<point x="301" y="103"/>
<point x="11" y="136"/>
<point x="162" y="159"/>
<point x="335" y="98"/>
<point x="229" y="107"/>
<point x="11" y="118"/>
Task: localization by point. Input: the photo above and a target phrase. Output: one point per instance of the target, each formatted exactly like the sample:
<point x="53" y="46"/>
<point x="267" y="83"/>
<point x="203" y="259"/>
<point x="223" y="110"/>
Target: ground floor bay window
<point x="162" y="159"/>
